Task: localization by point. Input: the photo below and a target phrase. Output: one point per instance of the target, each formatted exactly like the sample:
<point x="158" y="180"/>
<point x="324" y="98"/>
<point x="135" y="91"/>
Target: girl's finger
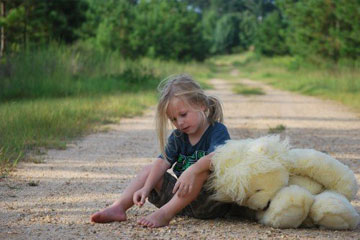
<point x="135" y="199"/>
<point x="142" y="201"/>
<point x="183" y="191"/>
<point x="176" y="187"/>
<point x="190" y="189"/>
<point x="186" y="190"/>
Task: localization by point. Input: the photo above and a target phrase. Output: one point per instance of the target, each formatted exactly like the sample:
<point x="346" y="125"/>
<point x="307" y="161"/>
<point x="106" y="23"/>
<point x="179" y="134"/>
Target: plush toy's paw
<point x="288" y="208"/>
<point x="307" y="183"/>
<point x="324" y="169"/>
<point x="334" y="211"/>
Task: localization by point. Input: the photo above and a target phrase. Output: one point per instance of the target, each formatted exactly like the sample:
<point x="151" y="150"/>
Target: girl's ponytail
<point x="215" y="113"/>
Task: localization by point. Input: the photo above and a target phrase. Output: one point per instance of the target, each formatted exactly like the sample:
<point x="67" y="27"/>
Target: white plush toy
<point x="287" y="187"/>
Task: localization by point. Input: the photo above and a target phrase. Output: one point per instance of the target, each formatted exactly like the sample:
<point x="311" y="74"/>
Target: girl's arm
<point x="187" y="179"/>
<point x="203" y="164"/>
<point x="157" y="172"/>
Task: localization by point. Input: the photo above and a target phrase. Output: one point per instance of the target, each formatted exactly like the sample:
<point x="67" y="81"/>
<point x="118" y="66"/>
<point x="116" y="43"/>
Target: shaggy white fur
<point x="325" y="170"/>
<point x="288" y="208"/>
<point x="253" y="172"/>
<point x="237" y="165"/>
<point x="333" y="211"/>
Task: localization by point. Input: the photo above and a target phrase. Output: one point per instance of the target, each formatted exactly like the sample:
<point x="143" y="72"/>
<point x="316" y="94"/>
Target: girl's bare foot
<point x="157" y="219"/>
<point x="110" y="214"/>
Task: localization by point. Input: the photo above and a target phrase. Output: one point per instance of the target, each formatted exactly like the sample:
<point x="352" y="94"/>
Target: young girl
<point x="197" y="119"/>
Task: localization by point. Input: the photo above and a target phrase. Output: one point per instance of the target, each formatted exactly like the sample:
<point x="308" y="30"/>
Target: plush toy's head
<point x="245" y="171"/>
<point x="263" y="187"/>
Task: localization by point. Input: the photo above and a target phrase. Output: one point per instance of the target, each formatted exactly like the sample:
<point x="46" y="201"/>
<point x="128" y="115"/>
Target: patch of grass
<point x="245" y="90"/>
<point x="267" y="75"/>
<point x="340" y="82"/>
<point x="277" y="129"/>
<point x="33" y="183"/>
<point x="50" y="123"/>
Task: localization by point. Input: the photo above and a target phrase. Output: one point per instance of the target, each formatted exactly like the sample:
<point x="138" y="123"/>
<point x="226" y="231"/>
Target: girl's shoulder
<point x="218" y="126"/>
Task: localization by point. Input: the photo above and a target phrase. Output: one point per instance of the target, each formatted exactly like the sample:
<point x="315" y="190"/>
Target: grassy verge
<point x="52" y="95"/>
<point x="27" y="125"/>
<point x="245" y="90"/>
<point x="337" y="82"/>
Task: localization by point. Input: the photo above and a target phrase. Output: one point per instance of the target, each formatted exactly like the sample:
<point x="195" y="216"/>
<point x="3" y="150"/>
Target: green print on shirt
<point x="184" y="162"/>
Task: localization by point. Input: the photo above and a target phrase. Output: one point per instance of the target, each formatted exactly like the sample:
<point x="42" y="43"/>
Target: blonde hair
<point x="185" y="87"/>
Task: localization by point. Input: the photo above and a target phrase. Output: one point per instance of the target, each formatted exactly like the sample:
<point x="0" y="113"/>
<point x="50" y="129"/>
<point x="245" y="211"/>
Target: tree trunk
<point x="2" y="36"/>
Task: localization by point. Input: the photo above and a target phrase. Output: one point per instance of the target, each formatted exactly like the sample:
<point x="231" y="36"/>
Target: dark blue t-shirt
<point x="180" y="152"/>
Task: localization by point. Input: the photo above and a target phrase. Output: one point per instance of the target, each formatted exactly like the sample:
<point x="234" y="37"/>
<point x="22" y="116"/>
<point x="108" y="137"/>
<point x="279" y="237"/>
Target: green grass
<point x="50" y="123"/>
<point x="59" y="71"/>
<point x="340" y="82"/>
<point x="52" y="95"/>
<point x="245" y="90"/>
<point x="277" y="129"/>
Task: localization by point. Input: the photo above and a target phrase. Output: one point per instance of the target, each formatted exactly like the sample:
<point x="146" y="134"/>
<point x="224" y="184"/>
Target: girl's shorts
<point x="202" y="207"/>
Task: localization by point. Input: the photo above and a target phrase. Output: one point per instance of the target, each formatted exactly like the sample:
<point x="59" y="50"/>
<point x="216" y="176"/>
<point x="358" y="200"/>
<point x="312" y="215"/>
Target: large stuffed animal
<point x="287" y="187"/>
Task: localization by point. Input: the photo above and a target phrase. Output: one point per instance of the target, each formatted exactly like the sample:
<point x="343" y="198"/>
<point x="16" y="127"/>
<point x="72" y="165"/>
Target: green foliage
<point x="247" y="29"/>
<point x="277" y="129"/>
<point x="340" y="81"/>
<point x="168" y="30"/>
<point x="226" y="33"/>
<point x="156" y="28"/>
<point x="35" y="22"/>
<point x="325" y="28"/>
<point x="230" y="26"/>
<point x="245" y="90"/>
<point x="270" y="36"/>
<point x="109" y="24"/>
<point x="59" y="71"/>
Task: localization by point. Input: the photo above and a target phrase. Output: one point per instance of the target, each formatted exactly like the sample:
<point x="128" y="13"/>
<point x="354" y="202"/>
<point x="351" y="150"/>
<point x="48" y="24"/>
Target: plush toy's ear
<point x="334" y="211"/>
<point x="288" y="208"/>
<point x="307" y="183"/>
<point x="273" y="148"/>
<point x="324" y="169"/>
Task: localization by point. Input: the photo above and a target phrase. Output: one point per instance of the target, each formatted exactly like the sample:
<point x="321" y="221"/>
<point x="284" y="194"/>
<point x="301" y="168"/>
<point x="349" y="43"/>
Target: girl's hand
<point x="140" y="196"/>
<point x="185" y="183"/>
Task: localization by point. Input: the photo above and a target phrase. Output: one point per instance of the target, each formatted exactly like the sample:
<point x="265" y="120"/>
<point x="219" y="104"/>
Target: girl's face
<point x="186" y="118"/>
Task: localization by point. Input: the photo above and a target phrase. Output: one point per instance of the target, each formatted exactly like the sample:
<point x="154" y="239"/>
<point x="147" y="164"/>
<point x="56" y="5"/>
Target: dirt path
<point x="73" y="183"/>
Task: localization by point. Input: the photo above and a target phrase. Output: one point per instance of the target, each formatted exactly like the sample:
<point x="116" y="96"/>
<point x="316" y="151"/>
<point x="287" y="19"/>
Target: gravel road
<point x="54" y="198"/>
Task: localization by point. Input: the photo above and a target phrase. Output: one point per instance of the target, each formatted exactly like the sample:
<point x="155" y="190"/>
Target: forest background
<point x="68" y="65"/>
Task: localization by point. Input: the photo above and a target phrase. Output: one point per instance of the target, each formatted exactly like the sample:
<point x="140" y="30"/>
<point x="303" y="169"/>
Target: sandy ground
<point x="54" y="199"/>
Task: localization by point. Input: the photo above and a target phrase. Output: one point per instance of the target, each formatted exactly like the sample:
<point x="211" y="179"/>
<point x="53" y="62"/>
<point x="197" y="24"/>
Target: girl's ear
<point x="203" y="107"/>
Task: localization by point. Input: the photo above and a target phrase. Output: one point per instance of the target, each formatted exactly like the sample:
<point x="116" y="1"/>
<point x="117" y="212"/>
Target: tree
<point x="326" y="28"/>
<point x="270" y="36"/>
<point x="2" y="33"/>
<point x="247" y="29"/>
<point x="168" y="30"/>
<point x="226" y="33"/>
<point x="35" y="22"/>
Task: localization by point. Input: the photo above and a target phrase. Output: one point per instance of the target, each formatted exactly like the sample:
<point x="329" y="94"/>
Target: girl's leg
<point x="117" y="211"/>
<point x="162" y="216"/>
